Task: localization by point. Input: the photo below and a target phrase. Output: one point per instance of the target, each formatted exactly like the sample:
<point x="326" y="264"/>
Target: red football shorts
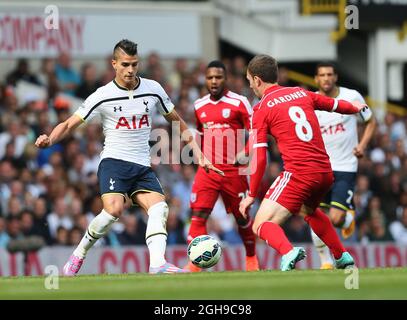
<point x="207" y="187"/>
<point x="292" y="190"/>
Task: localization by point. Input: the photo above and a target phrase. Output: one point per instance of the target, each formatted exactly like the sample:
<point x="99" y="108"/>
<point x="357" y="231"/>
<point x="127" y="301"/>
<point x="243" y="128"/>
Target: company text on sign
<point x="28" y="34"/>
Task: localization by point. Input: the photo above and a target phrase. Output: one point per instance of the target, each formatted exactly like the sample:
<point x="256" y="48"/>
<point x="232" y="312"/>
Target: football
<point x="204" y="251"/>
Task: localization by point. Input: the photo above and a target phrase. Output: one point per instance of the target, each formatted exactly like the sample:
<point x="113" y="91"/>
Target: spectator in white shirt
<point x="398" y="229"/>
<point x="59" y="217"/>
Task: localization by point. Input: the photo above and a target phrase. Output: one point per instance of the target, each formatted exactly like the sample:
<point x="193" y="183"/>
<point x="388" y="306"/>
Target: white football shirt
<point x="340" y="134"/>
<point x="126" y="117"/>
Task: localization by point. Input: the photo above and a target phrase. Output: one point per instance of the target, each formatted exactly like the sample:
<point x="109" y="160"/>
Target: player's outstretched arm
<point x="325" y="103"/>
<point x="356" y="104"/>
<point x="60" y="132"/>
<point x="188" y="136"/>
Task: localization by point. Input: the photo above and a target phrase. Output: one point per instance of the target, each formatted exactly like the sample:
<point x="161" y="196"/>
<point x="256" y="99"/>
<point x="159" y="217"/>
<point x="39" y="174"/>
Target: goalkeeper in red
<point x="288" y="114"/>
<point x="222" y="116"/>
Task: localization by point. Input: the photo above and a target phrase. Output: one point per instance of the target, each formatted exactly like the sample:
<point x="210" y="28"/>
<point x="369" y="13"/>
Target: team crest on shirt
<point x="112" y="182"/>
<point x="145" y="102"/>
<point x="226" y="113"/>
<point x="193" y="197"/>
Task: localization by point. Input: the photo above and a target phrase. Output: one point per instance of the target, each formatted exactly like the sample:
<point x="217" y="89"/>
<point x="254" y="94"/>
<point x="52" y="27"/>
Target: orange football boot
<point x="252" y="264"/>
<point x="192" y="268"/>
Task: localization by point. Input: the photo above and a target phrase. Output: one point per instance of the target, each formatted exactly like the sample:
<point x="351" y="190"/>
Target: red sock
<point x="275" y="237"/>
<point x="248" y="238"/>
<point x="323" y="228"/>
<point x="197" y="228"/>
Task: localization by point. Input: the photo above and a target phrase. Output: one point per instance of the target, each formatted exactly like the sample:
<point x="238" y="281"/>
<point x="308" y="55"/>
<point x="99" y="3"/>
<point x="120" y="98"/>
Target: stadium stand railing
<point x="328" y="6"/>
<point x="403" y="31"/>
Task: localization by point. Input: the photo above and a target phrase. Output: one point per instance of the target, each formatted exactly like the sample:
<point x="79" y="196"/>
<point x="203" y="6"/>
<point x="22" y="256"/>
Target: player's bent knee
<point x="338" y="219"/>
<point x="254" y="228"/>
<point x="256" y="225"/>
<point x="114" y="208"/>
<point x="337" y="223"/>
<point x="113" y="204"/>
<point x="157" y="219"/>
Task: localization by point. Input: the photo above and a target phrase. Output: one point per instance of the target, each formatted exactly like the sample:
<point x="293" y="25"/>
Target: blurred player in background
<point x="125" y="106"/>
<point x="220" y="114"/>
<point x="288" y="114"/>
<point x="340" y="135"/>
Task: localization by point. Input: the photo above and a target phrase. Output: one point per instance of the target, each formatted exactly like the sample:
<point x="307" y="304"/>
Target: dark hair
<point x="129" y="47"/>
<point x="324" y="64"/>
<point x="216" y="64"/>
<point x="265" y="67"/>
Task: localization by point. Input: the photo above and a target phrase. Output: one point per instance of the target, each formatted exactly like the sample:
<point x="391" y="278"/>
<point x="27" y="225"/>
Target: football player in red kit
<point x="287" y="113"/>
<point x="222" y="116"/>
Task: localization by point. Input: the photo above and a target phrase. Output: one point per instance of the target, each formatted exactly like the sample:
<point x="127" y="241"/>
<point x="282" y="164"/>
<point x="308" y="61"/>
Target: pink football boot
<point x="73" y="265"/>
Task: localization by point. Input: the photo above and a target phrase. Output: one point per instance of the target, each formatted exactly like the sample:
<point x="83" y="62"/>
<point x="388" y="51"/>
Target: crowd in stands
<point x="50" y="195"/>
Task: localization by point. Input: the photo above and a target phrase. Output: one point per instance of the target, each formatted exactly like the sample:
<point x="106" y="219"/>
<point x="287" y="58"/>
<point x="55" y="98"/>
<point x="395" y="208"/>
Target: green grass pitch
<point x="389" y="283"/>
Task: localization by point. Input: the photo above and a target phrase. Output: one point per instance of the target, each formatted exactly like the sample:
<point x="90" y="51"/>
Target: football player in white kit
<point x="126" y="105"/>
<point x="340" y="135"/>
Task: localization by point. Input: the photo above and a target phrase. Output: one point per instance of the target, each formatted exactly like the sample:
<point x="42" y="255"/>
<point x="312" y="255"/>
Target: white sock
<point x="322" y="249"/>
<point x="157" y="242"/>
<point x="98" y="227"/>
<point x="156" y="246"/>
<point x="348" y="220"/>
